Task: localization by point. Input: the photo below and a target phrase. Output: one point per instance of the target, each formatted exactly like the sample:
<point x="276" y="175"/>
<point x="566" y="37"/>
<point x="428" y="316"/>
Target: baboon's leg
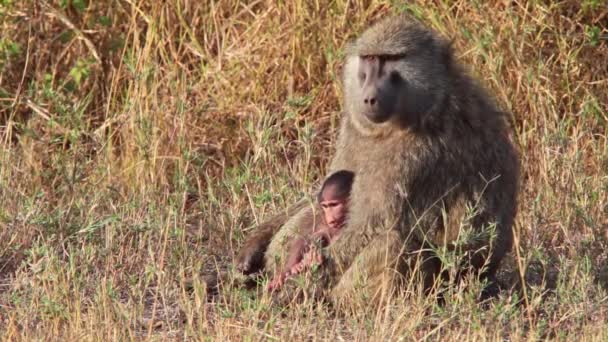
<point x="250" y="258"/>
<point x="374" y="271"/>
<point x="384" y="267"/>
<point x="300" y="223"/>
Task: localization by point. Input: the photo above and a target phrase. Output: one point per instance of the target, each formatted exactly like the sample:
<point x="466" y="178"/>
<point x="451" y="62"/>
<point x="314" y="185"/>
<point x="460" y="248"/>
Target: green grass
<point x="140" y="141"/>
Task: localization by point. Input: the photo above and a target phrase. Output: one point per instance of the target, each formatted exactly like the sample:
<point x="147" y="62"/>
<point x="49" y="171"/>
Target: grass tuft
<point x="140" y="140"/>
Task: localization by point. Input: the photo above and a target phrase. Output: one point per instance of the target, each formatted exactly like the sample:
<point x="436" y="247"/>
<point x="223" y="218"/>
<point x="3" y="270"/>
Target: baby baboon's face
<point x="334" y="208"/>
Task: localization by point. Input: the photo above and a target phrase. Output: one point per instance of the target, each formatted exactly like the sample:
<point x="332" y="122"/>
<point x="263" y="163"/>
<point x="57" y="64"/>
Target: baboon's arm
<point x="250" y="258"/>
<point x="380" y="255"/>
<point x="353" y="241"/>
<point x="393" y="214"/>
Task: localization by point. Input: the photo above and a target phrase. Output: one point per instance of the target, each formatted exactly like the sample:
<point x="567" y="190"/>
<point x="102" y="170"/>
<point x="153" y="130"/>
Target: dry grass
<point x="140" y="138"/>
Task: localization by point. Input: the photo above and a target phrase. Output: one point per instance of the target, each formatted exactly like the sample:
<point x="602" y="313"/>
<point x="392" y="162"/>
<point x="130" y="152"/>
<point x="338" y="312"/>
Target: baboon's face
<point x="393" y="88"/>
<point x="380" y="85"/>
<point x="335" y="208"/>
<point x="396" y="87"/>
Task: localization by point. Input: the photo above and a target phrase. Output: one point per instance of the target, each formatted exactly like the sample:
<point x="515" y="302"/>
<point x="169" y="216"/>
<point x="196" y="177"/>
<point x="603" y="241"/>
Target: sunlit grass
<point x="140" y="140"/>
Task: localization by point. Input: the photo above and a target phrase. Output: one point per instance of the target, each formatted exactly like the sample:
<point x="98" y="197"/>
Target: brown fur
<point x="420" y="177"/>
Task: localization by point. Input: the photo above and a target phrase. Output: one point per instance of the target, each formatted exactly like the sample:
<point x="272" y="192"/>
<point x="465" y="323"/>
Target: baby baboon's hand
<point x="314" y="257"/>
<point x="277" y="282"/>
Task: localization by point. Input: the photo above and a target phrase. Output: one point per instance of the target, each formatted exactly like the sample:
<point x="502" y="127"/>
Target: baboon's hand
<point x="250" y="258"/>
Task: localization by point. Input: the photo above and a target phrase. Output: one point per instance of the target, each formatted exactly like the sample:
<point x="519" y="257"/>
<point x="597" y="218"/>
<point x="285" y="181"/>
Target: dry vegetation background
<point x="141" y="139"/>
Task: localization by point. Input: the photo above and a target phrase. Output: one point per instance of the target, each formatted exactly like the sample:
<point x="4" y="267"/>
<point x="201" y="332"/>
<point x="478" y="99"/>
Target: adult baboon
<point x="433" y="161"/>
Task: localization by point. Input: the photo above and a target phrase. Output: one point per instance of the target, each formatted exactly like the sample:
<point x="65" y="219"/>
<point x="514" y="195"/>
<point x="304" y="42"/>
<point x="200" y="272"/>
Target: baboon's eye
<point x="395" y="57"/>
<point x="395" y="77"/>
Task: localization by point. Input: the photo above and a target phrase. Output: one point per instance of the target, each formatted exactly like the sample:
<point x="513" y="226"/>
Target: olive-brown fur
<point x="443" y="163"/>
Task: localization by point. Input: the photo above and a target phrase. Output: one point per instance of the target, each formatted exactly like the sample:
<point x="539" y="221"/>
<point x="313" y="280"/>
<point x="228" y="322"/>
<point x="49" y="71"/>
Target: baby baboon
<point x="333" y="199"/>
<point x="433" y="161"/>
